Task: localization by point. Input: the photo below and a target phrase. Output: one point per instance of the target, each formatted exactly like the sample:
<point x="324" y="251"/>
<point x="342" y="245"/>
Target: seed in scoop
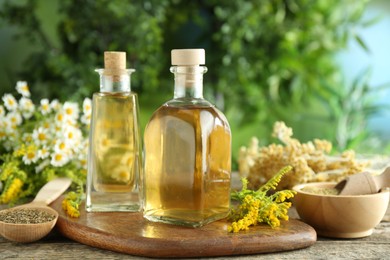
<point x="26" y="216"/>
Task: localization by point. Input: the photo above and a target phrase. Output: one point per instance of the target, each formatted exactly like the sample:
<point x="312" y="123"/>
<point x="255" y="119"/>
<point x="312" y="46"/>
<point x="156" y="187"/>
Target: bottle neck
<point x="188" y="81"/>
<point x="120" y="81"/>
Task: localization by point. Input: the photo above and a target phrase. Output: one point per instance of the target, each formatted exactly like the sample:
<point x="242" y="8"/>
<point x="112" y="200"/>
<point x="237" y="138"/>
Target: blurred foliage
<point x="350" y="106"/>
<point x="85" y="30"/>
<point x="268" y="60"/>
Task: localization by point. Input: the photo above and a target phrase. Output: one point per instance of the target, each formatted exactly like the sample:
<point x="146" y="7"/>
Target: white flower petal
<point x="59" y="159"/>
<point x="45" y="107"/>
<point x="22" y="88"/>
<point x="10" y="102"/>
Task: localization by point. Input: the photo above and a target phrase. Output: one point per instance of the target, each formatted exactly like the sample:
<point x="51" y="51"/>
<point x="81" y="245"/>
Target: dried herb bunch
<point x="311" y="161"/>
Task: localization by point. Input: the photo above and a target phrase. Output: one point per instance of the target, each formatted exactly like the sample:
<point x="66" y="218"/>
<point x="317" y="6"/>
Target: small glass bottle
<point x="114" y="159"/>
<point x="187" y="146"/>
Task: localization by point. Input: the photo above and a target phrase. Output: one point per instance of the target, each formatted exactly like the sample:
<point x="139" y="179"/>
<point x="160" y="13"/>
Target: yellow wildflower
<point x="71" y="204"/>
<point x="20" y="151"/>
<point x="11" y="193"/>
<point x="70" y="209"/>
<point x="251" y="207"/>
<point x="258" y="207"/>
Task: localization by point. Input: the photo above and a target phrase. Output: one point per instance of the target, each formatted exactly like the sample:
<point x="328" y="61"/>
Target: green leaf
<point x="372" y="21"/>
<point x="362" y="43"/>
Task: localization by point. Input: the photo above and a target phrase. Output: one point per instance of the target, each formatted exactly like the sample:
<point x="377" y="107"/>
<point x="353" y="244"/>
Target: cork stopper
<point x="114" y="62"/>
<point x="188" y="57"/>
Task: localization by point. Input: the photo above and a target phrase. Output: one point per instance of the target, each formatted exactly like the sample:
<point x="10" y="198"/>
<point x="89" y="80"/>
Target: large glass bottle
<point x="187" y="151"/>
<point x="114" y="159"/>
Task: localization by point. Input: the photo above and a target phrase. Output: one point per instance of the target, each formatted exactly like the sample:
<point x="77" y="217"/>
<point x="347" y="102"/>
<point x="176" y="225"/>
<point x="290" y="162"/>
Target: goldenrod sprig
<point x="274" y="181"/>
<point x="72" y="202"/>
<point x="259" y="207"/>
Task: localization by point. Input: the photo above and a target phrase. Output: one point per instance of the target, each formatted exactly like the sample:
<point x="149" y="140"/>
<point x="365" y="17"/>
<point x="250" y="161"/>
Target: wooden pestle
<point x="364" y="183"/>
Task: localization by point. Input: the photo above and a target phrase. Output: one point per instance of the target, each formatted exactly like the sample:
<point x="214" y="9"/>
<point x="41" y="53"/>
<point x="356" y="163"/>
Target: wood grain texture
<point x="56" y="246"/>
<point x="130" y="233"/>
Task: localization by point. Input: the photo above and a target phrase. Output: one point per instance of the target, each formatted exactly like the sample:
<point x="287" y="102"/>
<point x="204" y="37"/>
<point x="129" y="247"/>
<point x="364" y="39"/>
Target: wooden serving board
<point x="130" y="233"/>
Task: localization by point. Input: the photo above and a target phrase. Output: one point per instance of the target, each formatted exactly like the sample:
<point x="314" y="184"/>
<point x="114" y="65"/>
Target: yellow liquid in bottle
<point x="187" y="166"/>
<point x="114" y="154"/>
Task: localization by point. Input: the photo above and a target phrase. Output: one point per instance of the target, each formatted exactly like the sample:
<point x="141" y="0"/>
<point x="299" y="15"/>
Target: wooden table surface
<point x="55" y="246"/>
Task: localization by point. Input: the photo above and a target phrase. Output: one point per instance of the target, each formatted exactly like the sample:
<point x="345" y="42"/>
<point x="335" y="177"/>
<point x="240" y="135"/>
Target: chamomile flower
<point x="57" y="131"/>
<point x="59" y="159"/>
<point x="10" y="102"/>
<point x="22" y="88"/>
<point x="14" y="118"/>
<point x="86" y="119"/>
<point x="2" y="111"/>
<point x="27" y="138"/>
<point x="82" y="160"/>
<point x="87" y="111"/>
<point x="43" y="153"/>
<point x="27" y="107"/>
<point x="121" y="173"/>
<point x="87" y="106"/>
<point x="72" y="135"/>
<point x="31" y="155"/>
<point x="47" y="124"/>
<point x="71" y="110"/>
<point x="127" y="159"/>
<point x="45" y="107"/>
<point x="61" y="146"/>
<point x="82" y="146"/>
<point x="60" y="118"/>
<point x="40" y="136"/>
<point x="55" y="105"/>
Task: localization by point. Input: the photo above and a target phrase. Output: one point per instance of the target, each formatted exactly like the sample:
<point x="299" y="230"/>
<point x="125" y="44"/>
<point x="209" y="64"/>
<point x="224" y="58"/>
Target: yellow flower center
<point x="41" y="136"/>
<point x="30" y="155"/>
<point x="58" y="157"/>
<point x="69" y="111"/>
<point x="13" y="120"/>
<point x="62" y="146"/>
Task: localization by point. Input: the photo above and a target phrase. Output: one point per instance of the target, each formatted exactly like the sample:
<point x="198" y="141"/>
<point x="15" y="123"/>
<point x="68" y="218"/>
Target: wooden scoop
<point x="32" y="232"/>
<point x="364" y="183"/>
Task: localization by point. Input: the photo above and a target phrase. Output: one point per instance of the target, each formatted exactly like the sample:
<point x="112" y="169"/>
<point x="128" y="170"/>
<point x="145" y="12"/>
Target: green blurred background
<point x="320" y="66"/>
